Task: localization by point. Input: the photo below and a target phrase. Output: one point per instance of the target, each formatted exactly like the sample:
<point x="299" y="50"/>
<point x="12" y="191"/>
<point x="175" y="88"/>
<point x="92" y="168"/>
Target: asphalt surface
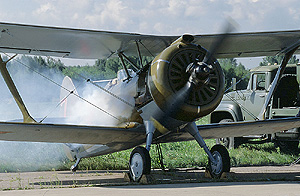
<point x="213" y="189"/>
<point x="267" y="180"/>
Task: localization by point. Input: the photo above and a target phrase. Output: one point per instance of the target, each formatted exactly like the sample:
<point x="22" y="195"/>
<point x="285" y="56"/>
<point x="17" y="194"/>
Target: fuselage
<point x="174" y="90"/>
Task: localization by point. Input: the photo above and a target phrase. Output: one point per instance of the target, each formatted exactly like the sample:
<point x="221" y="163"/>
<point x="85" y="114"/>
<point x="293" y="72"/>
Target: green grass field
<point x="189" y="154"/>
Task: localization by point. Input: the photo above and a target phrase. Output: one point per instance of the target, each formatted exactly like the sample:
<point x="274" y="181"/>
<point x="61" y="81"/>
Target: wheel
<point x="139" y="163"/>
<point x="74" y="168"/>
<point x="288" y="147"/>
<point x="228" y="142"/>
<point x="221" y="155"/>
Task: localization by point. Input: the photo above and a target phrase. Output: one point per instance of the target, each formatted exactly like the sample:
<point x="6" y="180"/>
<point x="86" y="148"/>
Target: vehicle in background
<point x="246" y="104"/>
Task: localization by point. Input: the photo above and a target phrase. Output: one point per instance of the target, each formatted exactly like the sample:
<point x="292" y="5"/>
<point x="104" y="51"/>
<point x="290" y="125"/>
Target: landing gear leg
<point x="140" y="161"/>
<point x="75" y="166"/>
<point x="149" y="132"/>
<point x="219" y="160"/>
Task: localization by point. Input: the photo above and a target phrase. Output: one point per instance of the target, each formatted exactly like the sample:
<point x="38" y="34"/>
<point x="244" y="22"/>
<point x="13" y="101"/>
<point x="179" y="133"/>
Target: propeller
<point x="198" y="73"/>
<point x="199" y="70"/>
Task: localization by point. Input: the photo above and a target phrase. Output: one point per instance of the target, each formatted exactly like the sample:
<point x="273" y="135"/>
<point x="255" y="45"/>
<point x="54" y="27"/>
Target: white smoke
<point x="103" y="109"/>
<point x="42" y="99"/>
<point x="40" y="96"/>
<point x="31" y="156"/>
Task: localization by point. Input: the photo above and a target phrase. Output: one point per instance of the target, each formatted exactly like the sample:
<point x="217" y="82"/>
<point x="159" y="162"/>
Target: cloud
<point x="264" y="15"/>
<point x="45" y="8"/>
<point x="155" y="16"/>
<point x="110" y="14"/>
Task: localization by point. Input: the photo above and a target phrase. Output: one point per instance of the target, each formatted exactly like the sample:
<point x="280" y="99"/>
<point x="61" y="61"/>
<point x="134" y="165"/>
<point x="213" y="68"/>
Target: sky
<point x="159" y="17"/>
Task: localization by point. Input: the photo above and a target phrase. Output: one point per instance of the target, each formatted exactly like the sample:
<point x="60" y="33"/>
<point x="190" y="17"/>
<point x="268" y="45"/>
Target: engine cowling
<point x="168" y="74"/>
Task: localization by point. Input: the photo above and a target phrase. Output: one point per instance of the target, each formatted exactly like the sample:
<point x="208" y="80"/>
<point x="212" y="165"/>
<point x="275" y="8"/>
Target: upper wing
<point x="74" y="43"/>
<point x="116" y="138"/>
<point x="252" y="44"/>
<point x="92" y="44"/>
<point x="236" y="129"/>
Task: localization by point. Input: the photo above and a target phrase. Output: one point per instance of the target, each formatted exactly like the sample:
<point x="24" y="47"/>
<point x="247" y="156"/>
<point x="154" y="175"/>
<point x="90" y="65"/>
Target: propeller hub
<point x="199" y="73"/>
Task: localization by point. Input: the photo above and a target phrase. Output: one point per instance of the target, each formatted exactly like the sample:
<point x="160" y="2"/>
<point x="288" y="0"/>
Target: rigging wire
<point x="71" y="92"/>
<point x="146" y="48"/>
<point x="105" y="90"/>
<point x="86" y="79"/>
<point x="60" y="102"/>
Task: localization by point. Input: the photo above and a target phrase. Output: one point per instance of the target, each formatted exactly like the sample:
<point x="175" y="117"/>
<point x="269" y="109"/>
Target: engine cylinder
<point x="168" y="75"/>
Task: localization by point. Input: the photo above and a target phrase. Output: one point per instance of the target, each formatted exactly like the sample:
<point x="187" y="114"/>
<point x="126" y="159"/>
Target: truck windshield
<point x="258" y="81"/>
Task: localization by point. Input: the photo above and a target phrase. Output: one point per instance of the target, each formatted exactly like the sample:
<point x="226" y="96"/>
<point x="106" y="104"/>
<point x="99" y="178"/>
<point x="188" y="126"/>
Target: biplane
<point x="183" y="83"/>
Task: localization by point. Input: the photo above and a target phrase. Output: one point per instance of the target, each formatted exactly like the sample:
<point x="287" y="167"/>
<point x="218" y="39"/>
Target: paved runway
<point x="212" y="189"/>
<point x="267" y="180"/>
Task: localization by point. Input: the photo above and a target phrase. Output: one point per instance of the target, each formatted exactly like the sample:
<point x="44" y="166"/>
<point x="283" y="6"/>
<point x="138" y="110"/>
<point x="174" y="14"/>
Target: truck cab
<point x="246" y="105"/>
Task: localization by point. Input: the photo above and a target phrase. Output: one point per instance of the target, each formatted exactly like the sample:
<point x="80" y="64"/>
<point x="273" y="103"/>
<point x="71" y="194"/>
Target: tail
<point x="67" y="100"/>
<point x="68" y="88"/>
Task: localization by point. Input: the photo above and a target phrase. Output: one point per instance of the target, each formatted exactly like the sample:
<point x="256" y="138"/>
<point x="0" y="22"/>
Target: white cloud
<point x="155" y="16"/>
<point x="260" y="15"/>
<point x="45" y="8"/>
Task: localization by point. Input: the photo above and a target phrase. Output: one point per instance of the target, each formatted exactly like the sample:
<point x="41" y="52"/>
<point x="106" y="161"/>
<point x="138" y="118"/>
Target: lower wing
<point x="117" y="138"/>
<point x="235" y="129"/>
<point x="124" y="138"/>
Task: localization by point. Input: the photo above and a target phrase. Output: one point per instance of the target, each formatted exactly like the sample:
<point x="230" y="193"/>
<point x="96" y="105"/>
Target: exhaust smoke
<point x="40" y="97"/>
<point x="105" y="109"/>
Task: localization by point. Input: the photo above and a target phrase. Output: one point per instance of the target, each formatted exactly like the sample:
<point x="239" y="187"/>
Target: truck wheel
<point x="228" y="142"/>
<point x="288" y="147"/>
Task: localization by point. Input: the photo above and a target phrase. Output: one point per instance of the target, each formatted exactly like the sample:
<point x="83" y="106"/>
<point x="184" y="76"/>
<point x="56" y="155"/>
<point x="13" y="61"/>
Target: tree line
<point x="108" y="68"/>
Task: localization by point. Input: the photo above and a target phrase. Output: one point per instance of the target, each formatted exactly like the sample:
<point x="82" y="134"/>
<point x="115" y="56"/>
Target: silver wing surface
<point x="94" y="44"/>
<point x="123" y="138"/>
<point x="113" y="137"/>
<point x="235" y="129"/>
<point x="239" y="129"/>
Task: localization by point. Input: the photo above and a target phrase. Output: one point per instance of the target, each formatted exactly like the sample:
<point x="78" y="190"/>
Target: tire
<point x="221" y="155"/>
<point x="228" y="142"/>
<point x="139" y="163"/>
<point x="288" y="147"/>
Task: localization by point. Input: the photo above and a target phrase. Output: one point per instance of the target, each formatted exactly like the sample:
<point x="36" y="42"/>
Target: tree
<point x="277" y="60"/>
<point x="231" y="70"/>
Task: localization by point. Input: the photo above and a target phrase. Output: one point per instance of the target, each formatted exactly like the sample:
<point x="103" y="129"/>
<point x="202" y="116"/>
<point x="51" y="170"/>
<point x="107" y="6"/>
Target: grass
<point x="263" y="154"/>
<point x="189" y="154"/>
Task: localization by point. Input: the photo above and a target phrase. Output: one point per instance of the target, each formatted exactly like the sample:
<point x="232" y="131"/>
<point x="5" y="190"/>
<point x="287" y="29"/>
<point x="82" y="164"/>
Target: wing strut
<point x="13" y="90"/>
<point x="288" y="53"/>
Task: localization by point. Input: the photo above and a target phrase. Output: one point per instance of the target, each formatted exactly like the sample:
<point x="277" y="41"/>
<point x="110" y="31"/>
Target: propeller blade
<point x="198" y="75"/>
<point x="228" y="28"/>
<point x="176" y="101"/>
